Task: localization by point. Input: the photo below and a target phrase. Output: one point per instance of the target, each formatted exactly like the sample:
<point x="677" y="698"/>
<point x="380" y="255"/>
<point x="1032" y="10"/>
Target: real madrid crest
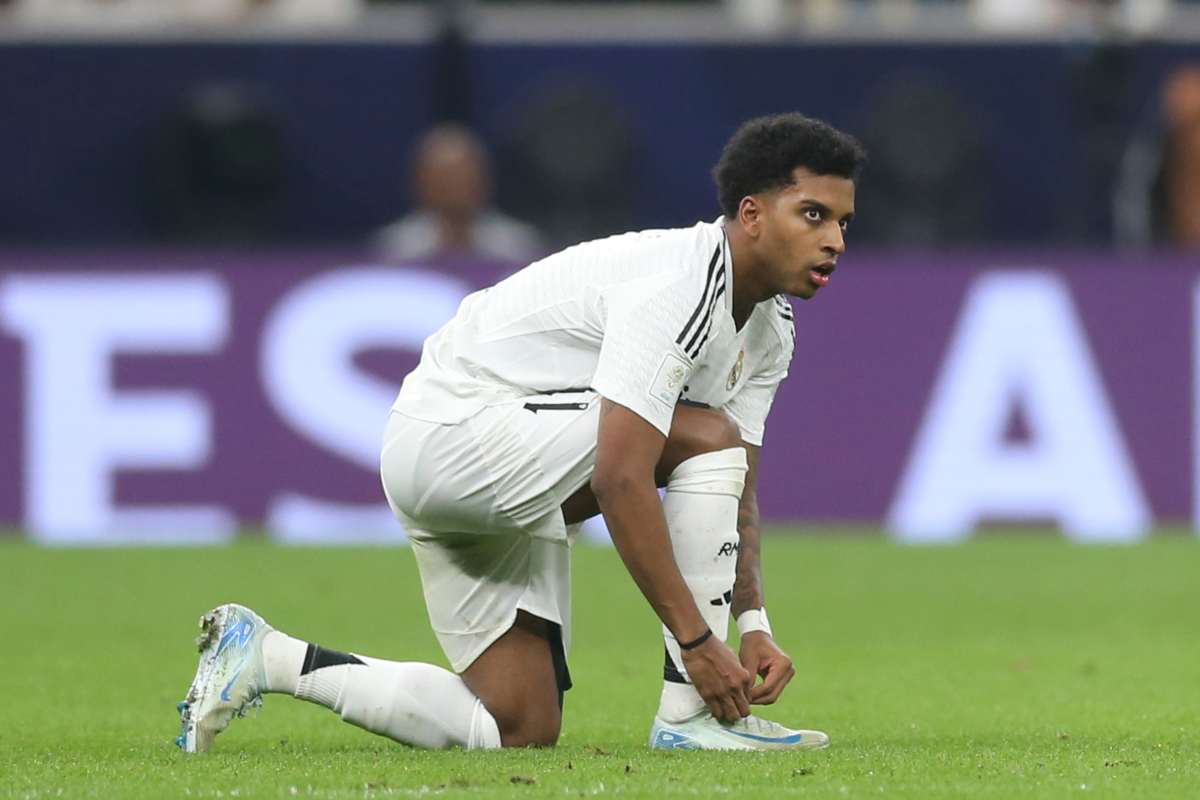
<point x="736" y="372"/>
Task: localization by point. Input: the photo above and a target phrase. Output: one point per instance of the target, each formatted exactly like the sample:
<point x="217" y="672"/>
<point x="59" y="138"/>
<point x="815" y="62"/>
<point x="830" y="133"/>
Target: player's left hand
<point x="761" y="656"/>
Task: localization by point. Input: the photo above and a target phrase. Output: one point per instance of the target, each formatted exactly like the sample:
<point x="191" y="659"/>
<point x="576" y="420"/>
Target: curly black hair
<point x="764" y="151"/>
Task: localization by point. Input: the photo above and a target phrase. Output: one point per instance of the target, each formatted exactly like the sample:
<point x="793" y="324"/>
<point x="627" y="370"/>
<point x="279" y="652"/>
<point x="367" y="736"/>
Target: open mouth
<point x="820" y="273"/>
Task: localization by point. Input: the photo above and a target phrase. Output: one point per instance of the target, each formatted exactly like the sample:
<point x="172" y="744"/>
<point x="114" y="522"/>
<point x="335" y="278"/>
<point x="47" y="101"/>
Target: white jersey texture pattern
<point x="643" y="318"/>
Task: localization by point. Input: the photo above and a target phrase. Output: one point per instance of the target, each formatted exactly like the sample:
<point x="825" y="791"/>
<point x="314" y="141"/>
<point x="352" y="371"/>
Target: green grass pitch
<point x="1008" y="667"/>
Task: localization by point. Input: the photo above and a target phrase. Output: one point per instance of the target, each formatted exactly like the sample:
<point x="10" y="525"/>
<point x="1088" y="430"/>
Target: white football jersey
<point x="642" y="318"/>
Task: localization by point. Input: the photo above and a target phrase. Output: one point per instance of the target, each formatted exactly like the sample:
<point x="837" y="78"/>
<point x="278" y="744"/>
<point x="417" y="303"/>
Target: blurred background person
<point x="1181" y="100"/>
<point x="1157" y="195"/>
<point x="454" y="215"/>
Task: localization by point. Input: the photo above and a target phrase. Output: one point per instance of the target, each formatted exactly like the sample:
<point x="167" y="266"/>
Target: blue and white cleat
<point x="705" y="732"/>
<point x="229" y="679"/>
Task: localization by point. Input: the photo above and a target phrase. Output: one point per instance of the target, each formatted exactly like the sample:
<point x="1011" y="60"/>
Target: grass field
<point x="1019" y="667"/>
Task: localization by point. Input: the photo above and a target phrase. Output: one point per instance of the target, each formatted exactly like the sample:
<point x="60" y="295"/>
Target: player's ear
<point x="750" y="215"/>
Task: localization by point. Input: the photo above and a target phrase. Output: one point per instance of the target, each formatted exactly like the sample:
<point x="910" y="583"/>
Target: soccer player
<point x="576" y="387"/>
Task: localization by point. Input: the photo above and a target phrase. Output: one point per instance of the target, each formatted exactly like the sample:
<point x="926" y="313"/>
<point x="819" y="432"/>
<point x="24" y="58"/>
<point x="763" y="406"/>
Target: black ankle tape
<point x="317" y="657"/>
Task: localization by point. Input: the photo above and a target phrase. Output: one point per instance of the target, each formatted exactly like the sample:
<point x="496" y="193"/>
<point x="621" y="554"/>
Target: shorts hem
<point x="485" y="639"/>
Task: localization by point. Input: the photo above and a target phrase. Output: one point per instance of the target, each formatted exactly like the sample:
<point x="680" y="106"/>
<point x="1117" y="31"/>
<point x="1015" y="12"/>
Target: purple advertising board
<point x="181" y="397"/>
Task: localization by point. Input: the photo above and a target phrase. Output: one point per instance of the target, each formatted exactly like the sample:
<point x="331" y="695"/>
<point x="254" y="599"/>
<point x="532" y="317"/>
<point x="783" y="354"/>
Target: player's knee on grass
<point x="528" y="715"/>
<point x="696" y="430"/>
<point x="531" y="727"/>
<point x="516" y="680"/>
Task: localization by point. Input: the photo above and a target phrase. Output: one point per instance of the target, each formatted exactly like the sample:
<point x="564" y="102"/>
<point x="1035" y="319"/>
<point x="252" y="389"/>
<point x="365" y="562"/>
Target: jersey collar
<point x="727" y="265"/>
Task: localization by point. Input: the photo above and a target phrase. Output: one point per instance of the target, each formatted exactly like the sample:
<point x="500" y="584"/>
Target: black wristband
<point x="699" y="640"/>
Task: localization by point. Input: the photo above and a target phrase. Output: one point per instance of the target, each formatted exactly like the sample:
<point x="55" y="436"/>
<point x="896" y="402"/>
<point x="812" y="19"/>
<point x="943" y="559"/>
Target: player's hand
<point x="761" y="656"/>
<point x="720" y="680"/>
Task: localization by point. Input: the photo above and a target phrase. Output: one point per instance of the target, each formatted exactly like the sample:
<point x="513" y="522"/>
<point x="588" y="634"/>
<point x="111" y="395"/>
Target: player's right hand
<point x="721" y="680"/>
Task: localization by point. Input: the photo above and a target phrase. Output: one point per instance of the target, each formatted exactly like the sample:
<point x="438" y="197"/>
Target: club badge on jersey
<point x="735" y="374"/>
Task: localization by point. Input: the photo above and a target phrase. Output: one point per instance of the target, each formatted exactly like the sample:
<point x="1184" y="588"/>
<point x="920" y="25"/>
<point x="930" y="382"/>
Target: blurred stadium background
<point x="227" y="225"/>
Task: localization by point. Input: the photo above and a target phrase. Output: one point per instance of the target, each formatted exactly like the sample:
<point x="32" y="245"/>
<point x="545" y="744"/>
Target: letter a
<point x="1019" y="340"/>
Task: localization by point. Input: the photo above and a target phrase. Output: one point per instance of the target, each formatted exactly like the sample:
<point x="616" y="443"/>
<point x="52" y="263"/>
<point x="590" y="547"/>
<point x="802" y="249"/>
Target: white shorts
<point x="481" y="501"/>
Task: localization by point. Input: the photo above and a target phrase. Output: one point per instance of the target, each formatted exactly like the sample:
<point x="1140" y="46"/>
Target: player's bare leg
<point x="527" y="708"/>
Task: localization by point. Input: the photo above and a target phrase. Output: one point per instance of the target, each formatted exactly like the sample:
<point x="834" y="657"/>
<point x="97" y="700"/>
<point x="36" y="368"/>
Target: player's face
<point x="802" y="231"/>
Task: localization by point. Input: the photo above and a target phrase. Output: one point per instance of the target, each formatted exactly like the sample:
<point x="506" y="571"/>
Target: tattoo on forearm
<point x="747" y="588"/>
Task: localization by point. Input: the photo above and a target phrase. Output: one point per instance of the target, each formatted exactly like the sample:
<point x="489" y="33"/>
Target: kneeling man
<point x="576" y="387"/>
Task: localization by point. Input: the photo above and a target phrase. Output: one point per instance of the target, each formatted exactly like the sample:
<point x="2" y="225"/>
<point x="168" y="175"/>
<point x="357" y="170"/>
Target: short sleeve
<point x="643" y="365"/>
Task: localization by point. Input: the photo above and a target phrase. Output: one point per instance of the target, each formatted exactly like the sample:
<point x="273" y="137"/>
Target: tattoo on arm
<point x="747" y="588"/>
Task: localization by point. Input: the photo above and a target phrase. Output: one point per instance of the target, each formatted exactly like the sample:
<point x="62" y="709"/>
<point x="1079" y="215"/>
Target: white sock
<point x="418" y="704"/>
<point x="283" y="657"/>
<point x="701" y="507"/>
